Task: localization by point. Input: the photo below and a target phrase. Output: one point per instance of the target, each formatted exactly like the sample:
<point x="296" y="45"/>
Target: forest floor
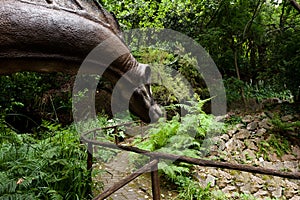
<point x="253" y="140"/>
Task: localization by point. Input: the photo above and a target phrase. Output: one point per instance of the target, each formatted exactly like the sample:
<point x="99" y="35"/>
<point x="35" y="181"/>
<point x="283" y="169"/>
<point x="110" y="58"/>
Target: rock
<point x="230" y="145"/>
<point x="260" y="132"/>
<point x="210" y="179"/>
<point x="229" y="189"/>
<point x="221" y="146"/>
<point x="246" y="188"/>
<point x="296" y="151"/>
<point x="280" y="181"/>
<point x="247" y="119"/>
<point x="278" y="166"/>
<point x="239" y="145"/>
<point x="291" y="165"/>
<point x="268" y="165"/>
<point x="291" y="185"/>
<point x="261" y="115"/>
<point x="239" y="126"/>
<point x="213" y="171"/>
<point x="200" y="174"/>
<point x="222" y="183"/>
<point x="287" y="118"/>
<point x="213" y="150"/>
<point x="295" y="198"/>
<point x="243" y="177"/>
<point x="225" y="137"/>
<point x="287" y="157"/>
<point x="258" y="180"/>
<point x="240" y="184"/>
<point x="231" y="132"/>
<point x="242" y="134"/>
<point x="261" y="193"/>
<point x="264" y="124"/>
<point x="271" y="183"/>
<point x="252" y="126"/>
<point x="255" y="187"/>
<point x="273" y="157"/>
<point x="248" y="155"/>
<point x="221" y="118"/>
<point x="225" y="175"/>
<point x="234" y="146"/>
<point x="251" y="145"/>
<point x="258" y="140"/>
<point x="215" y="140"/>
<point x="277" y="193"/>
<point x="218" y="144"/>
<point x="291" y="189"/>
<point x="261" y="159"/>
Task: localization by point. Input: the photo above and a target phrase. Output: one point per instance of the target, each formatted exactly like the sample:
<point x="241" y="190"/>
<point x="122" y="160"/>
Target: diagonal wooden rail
<point x="120" y="184"/>
<point x="155" y="156"/>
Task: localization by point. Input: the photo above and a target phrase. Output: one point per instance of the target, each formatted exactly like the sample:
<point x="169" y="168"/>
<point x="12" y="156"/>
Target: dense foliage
<point x="51" y="167"/>
<point x="250" y="41"/>
<point x="28" y="97"/>
<point x="188" y="136"/>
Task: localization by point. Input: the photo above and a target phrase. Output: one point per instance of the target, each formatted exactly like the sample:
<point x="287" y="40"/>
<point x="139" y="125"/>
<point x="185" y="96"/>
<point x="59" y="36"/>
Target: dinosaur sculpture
<point x="57" y="35"/>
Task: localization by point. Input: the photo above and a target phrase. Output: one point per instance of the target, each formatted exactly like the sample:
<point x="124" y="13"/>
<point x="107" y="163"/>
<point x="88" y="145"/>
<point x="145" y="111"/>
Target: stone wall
<point x="242" y="144"/>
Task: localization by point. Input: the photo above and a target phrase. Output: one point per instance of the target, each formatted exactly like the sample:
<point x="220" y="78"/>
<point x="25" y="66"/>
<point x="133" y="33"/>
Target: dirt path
<point x="119" y="168"/>
<point x="138" y="189"/>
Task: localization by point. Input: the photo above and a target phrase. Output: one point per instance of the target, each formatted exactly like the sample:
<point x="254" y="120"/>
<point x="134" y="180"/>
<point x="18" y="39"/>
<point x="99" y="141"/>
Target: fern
<point x="189" y="189"/>
<point x="172" y="170"/>
<point x="183" y="137"/>
<point x="51" y="168"/>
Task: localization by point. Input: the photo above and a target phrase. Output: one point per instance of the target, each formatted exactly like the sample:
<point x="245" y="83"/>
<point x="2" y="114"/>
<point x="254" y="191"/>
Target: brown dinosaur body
<point x="56" y="36"/>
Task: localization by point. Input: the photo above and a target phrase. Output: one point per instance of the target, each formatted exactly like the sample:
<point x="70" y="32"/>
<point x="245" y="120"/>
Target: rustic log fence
<point x="154" y="160"/>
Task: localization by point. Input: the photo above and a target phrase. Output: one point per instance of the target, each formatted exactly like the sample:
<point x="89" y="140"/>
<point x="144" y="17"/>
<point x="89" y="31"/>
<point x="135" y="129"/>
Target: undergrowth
<point x="259" y="91"/>
<point x="279" y="141"/>
<point x="53" y="167"/>
<point x="181" y="136"/>
<point x="276" y="143"/>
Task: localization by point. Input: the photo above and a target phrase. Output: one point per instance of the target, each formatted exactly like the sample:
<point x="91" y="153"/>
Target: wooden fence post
<point x="89" y="167"/>
<point x="155" y="180"/>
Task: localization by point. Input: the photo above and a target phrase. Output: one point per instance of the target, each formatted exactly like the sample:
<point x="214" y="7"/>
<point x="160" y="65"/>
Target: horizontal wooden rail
<point x="195" y="161"/>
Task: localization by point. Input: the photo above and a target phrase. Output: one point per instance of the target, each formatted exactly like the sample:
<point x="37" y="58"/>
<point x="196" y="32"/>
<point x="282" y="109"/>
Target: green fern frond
<point x="51" y="168"/>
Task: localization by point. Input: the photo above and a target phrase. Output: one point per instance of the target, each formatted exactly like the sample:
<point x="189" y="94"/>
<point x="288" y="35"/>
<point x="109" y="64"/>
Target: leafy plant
<point x="275" y="144"/>
<point x="181" y="136"/>
<point x="51" y="168"/>
<point x="233" y="119"/>
<point x="170" y="72"/>
<point x="190" y="189"/>
<point x="278" y="141"/>
<point x="281" y="127"/>
<point x="258" y="91"/>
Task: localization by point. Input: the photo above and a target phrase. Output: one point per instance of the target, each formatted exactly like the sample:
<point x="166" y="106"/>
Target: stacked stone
<point x="241" y="145"/>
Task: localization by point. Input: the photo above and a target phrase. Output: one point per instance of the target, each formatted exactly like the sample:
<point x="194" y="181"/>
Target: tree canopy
<point x="251" y="41"/>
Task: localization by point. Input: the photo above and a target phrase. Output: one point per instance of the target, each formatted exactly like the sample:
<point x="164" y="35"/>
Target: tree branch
<point x="295" y="5"/>
<point x="250" y="22"/>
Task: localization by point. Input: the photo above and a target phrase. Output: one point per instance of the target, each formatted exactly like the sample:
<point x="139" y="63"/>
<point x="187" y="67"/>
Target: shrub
<point x="181" y="136"/>
<point x="51" y="168"/>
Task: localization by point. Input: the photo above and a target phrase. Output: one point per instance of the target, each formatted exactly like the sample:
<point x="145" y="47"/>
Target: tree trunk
<point x="239" y="76"/>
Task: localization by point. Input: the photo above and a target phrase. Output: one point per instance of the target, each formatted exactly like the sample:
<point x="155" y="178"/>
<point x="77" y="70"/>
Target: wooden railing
<point x="154" y="160"/>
